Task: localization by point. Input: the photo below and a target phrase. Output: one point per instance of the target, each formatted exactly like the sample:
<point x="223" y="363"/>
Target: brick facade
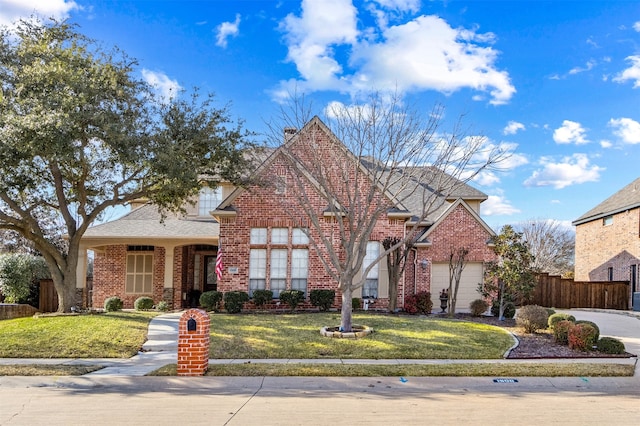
<point x="603" y="249"/>
<point x="275" y="204"/>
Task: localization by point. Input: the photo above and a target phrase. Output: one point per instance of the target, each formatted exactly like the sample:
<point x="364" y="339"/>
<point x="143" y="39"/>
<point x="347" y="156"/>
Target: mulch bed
<point x="537" y="345"/>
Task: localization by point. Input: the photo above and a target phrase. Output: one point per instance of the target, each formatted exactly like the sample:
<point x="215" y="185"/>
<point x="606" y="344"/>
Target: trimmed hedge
<point x="143" y="303"/>
<point x="419" y="303"/>
<point x="210" y="300"/>
<point x="555" y="318"/>
<point x="478" y="307"/>
<point x="532" y="318"/>
<point x="113" y="303"/>
<point x="322" y="298"/>
<point x="233" y="301"/>
<point x="262" y="297"/>
<point x="610" y="345"/>
<point x="292" y="298"/>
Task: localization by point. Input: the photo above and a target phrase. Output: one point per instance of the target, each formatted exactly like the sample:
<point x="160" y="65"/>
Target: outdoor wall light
<point x="424" y="263"/>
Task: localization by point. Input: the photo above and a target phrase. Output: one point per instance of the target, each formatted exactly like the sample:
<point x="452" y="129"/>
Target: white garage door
<point x="471" y="276"/>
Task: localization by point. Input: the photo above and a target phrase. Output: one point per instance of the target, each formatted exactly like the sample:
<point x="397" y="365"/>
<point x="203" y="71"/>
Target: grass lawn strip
<point x="415" y="370"/>
<point x="47" y="370"/>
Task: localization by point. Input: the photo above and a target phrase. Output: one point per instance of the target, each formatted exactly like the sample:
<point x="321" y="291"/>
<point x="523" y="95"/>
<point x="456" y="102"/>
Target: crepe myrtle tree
<point x="80" y="133"/>
<point x="384" y="158"/>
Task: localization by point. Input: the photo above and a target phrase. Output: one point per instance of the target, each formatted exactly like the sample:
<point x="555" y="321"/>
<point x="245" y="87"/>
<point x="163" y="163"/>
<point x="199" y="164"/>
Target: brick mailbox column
<point x="193" y="343"/>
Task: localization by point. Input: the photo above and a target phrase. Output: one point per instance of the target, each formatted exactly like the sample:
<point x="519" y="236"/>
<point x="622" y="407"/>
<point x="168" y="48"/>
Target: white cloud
<point x="401" y="5"/>
<point x="512" y="128"/>
<point x="636" y="26"/>
<point x="164" y="86"/>
<point x="605" y="143"/>
<point x="425" y="53"/>
<point x="12" y="10"/>
<point x="631" y="73"/>
<point x="626" y="129"/>
<point x="570" y="132"/>
<point x="226" y="30"/>
<point x="571" y="170"/>
<point x="496" y="205"/>
<point x="587" y="67"/>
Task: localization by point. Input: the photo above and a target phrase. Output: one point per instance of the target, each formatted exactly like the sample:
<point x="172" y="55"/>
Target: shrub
<point x="233" y="301"/>
<point x="321" y="298"/>
<point x="418" y="303"/>
<point x="162" y="306"/>
<point x="555" y="318"/>
<point x="478" y="307"/>
<point x="551" y="311"/>
<point x="143" y="303"/>
<point x="561" y="331"/>
<point x="509" y="309"/>
<point x="112" y="304"/>
<point x="581" y="337"/>
<point x="532" y="318"/>
<point x="262" y="297"/>
<point x="292" y="298"/>
<point x="210" y="300"/>
<point x="609" y="345"/>
<point x="595" y="327"/>
<point x="356" y="303"/>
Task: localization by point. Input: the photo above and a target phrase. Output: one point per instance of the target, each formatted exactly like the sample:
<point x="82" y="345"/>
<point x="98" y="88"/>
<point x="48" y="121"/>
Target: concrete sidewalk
<point x="161" y="349"/>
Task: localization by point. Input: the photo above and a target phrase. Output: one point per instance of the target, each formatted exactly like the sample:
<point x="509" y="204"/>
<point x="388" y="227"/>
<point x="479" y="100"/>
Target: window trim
<point x="144" y="274"/>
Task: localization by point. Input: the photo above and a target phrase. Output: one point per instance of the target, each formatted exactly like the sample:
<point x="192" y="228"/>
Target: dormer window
<point x="209" y="200"/>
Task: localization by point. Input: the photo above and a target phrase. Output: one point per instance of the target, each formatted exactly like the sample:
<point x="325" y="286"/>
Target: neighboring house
<point x="608" y="239"/>
<point x="264" y="244"/>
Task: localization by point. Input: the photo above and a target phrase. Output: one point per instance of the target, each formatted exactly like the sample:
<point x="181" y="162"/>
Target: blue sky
<point x="557" y="82"/>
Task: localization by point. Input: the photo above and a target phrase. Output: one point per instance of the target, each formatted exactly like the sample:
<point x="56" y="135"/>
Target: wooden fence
<point x="49" y="296"/>
<point x="556" y="292"/>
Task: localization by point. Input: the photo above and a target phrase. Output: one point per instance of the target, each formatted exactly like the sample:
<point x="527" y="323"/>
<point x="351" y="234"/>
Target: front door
<point x="210" y="278"/>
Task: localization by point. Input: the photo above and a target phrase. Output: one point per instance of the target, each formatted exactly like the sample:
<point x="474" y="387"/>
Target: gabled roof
<point x="424" y="238"/>
<point x="411" y="203"/>
<point x="145" y="222"/>
<point x="625" y="199"/>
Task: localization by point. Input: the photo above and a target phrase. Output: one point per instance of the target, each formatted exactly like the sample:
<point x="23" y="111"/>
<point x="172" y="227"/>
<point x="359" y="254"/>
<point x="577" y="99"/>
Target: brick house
<point x="608" y="239"/>
<point x="266" y="242"/>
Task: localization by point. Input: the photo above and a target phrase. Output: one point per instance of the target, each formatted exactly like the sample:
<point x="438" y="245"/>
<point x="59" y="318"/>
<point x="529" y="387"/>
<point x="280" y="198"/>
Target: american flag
<point x="219" y="265"/>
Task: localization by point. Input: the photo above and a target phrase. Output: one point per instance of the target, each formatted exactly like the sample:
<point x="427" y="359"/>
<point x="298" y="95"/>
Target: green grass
<point x="46" y="370"/>
<point x="110" y="335"/>
<point x="405" y="337"/>
<point x="414" y="370"/>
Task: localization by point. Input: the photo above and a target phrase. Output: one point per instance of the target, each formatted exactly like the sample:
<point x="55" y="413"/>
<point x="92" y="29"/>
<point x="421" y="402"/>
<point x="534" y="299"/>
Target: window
<point x="209" y="200"/>
<point x="278" y="278"/>
<point x="139" y="273"/>
<point x="299" y="237"/>
<point x="280" y="236"/>
<point x="257" y="270"/>
<point x="370" y="288"/>
<point x="299" y="269"/>
<point x="610" y="273"/>
<point x="288" y="266"/>
<point x="606" y="221"/>
<point x="259" y="236"/>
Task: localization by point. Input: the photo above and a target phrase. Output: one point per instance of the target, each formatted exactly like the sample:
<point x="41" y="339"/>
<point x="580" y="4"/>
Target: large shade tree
<point x="386" y="162"/>
<point x="552" y="245"/>
<point x="80" y="133"/>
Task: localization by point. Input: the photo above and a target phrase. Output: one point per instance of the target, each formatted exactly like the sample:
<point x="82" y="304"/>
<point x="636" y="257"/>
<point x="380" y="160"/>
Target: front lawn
<point x="109" y="335"/>
<point x="394" y="337"/>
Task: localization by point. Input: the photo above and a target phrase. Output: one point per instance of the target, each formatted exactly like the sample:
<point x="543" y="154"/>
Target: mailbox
<point x="191" y="324"/>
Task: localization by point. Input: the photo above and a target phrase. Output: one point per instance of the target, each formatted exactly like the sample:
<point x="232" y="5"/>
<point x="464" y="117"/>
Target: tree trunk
<point x="347" y="309"/>
<point x="66" y="289"/>
<point x="393" y="292"/>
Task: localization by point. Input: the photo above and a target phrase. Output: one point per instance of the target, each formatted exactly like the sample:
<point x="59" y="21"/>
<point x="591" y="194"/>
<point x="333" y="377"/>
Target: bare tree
<point x="551" y="243"/>
<point x="457" y="262"/>
<point x="375" y="165"/>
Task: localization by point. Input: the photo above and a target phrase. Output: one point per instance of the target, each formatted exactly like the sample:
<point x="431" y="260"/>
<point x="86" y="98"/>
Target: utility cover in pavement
<point x="505" y="380"/>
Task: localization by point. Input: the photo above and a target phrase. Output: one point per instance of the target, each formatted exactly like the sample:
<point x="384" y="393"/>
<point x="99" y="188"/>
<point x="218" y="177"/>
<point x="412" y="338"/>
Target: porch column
<point x="168" y="266"/>
<point x="81" y="277"/>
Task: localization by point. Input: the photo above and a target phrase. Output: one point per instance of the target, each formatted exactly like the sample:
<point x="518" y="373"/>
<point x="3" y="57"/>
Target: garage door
<point x="471" y="276"/>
